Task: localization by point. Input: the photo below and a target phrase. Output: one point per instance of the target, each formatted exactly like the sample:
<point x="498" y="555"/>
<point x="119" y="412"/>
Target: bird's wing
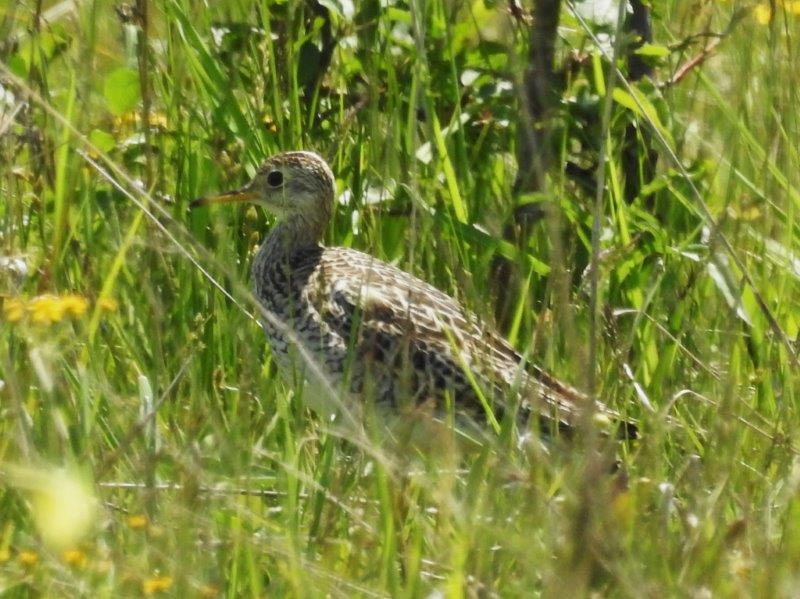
<point x="394" y="315"/>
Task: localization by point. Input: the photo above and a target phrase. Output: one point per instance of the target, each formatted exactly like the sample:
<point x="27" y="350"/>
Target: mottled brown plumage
<point x="376" y="332"/>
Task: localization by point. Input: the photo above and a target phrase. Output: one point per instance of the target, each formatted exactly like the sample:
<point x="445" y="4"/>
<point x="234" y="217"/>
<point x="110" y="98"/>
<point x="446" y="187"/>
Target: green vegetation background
<point x="123" y="363"/>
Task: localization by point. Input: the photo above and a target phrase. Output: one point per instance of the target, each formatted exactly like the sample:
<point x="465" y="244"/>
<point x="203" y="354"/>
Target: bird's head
<point x="287" y="184"/>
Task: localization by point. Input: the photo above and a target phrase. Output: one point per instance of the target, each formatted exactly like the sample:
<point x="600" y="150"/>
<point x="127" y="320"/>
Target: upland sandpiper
<point x="373" y="331"/>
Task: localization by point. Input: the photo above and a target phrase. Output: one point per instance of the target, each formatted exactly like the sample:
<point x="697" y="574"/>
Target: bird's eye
<point x="275" y="178"/>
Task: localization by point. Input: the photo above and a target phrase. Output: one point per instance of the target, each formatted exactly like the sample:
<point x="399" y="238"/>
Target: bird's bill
<point x="229" y="197"/>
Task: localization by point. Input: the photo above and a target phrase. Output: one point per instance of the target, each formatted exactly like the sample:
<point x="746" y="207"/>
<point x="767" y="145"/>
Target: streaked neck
<point x="292" y="234"/>
<point x="287" y="240"/>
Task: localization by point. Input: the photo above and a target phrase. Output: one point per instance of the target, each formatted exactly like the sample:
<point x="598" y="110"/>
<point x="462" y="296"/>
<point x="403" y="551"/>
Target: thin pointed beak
<point x="229" y="197"/>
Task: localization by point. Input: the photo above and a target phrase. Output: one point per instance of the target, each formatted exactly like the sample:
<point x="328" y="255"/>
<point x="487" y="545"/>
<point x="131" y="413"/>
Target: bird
<point x="346" y="321"/>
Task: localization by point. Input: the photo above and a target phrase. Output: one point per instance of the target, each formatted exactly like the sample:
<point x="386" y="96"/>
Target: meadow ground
<point x="147" y="445"/>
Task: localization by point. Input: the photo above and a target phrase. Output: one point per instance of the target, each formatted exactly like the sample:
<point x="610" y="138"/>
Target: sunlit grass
<point x="121" y="358"/>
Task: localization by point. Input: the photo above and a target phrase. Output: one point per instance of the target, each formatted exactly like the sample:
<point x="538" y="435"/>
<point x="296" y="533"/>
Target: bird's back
<point x="392" y="337"/>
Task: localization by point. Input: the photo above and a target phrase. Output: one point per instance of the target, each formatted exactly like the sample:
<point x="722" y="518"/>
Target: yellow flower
<point x="5" y="555"/>
<point x="137" y="521"/>
<point x="74" y="305"/>
<point x="157" y="584"/>
<point x="46" y="309"/>
<point x="28" y="558"/>
<point x="13" y="309"/>
<point x="74" y="557"/>
<point x="762" y="14"/>
<point x="107" y="304"/>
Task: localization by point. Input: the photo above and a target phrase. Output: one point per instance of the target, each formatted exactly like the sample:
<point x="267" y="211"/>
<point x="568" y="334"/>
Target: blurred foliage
<point x="121" y="354"/>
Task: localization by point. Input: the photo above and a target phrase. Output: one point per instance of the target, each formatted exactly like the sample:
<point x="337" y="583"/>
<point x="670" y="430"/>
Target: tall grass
<point x="145" y="374"/>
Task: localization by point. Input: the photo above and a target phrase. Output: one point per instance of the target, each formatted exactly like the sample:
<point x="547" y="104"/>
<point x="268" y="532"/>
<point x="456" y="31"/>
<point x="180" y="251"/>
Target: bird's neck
<point x="292" y="234"/>
<point x="289" y="238"/>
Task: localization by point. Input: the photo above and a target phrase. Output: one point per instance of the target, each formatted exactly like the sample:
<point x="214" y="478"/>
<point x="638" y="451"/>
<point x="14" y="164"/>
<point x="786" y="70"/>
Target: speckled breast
<point x="281" y="286"/>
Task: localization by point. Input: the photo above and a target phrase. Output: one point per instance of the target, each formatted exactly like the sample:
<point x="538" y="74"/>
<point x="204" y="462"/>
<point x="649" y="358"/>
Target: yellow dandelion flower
<point x="74" y="305"/>
<point x="157" y="584"/>
<point x="136" y="521"/>
<point x="75" y="558"/>
<point x="107" y="304"/>
<point x="46" y="309"/>
<point x="28" y="558"/>
<point x="13" y="309"/>
<point x="794" y="8"/>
